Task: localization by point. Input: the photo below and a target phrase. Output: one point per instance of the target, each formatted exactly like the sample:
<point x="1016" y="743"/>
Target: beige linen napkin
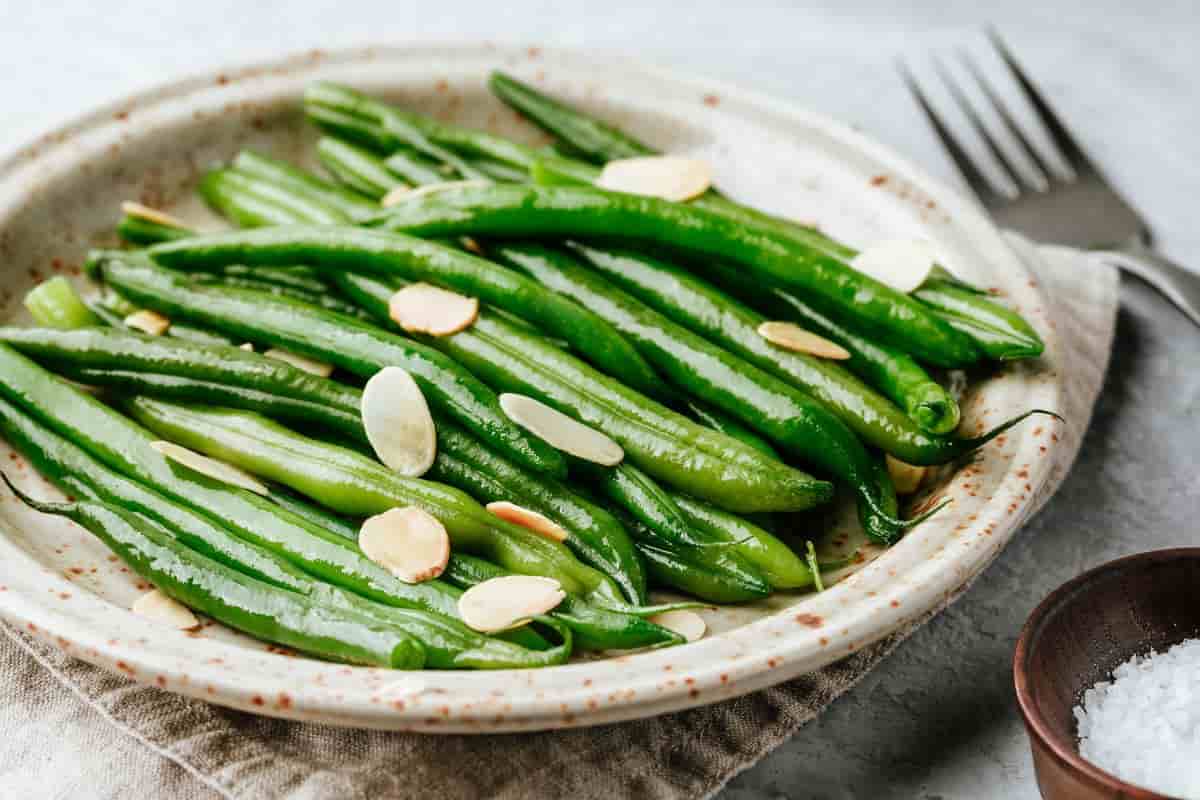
<point x="70" y="729"/>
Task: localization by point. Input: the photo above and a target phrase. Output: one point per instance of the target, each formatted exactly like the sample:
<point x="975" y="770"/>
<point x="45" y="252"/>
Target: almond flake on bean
<point x="218" y="470"/>
<point x="408" y="542"/>
<point x="792" y="337"/>
<point x="155" y="605"/>
<point x="499" y="604"/>
<point x="669" y="177"/>
<point x="310" y="365"/>
<point x="528" y="518"/>
<point x="425" y="308"/>
<point x="688" y="624"/>
<point x="148" y="321"/>
<point x="397" y="422"/>
<point x="402" y="194"/>
<point x="134" y="209"/>
<point x="902" y="264"/>
<point x="560" y="431"/>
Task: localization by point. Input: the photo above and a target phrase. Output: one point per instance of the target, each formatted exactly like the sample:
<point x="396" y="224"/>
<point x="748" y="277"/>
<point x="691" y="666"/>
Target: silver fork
<point x="1079" y="209"/>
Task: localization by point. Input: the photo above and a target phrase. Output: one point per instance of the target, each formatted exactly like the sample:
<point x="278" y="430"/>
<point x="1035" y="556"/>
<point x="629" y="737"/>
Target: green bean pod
<point x="718" y="577"/>
<point x="320" y="299"/>
<point x="666" y="445"/>
<point x="252" y="202"/>
<point x="1000" y="333"/>
<point x="348" y="482"/>
<point x="414" y="259"/>
<point x="506" y="210"/>
<point x="592" y="138"/>
<point x="140" y="231"/>
<point x="894" y="374"/>
<point x="697" y="304"/>
<point x="357" y="167"/>
<point x="347" y="342"/>
<point x="414" y="168"/>
<point x="125" y="447"/>
<point x="595" y="628"/>
<point x="350" y="203"/>
<point x="449" y="644"/>
<point x="723" y="423"/>
<point x="787" y="416"/>
<point x="778" y="563"/>
<point x="239" y="601"/>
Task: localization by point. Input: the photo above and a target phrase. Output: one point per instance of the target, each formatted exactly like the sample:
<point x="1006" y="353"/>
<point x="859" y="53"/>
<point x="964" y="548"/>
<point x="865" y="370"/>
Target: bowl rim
<point x="1066" y="753"/>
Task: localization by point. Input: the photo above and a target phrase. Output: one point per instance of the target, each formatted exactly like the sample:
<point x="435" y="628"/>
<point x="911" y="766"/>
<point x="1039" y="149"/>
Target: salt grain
<point x="1144" y="725"/>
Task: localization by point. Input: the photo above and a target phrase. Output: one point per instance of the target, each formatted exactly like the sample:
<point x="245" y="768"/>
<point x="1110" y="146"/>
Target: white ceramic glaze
<point x="60" y="195"/>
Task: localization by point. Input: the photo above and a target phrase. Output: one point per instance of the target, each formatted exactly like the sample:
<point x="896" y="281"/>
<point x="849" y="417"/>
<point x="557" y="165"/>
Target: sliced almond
<point x="560" y="431"/>
<point x="148" y="321"/>
<point x="402" y="194"/>
<point x="408" y="542"/>
<point x="688" y="624"/>
<point x="528" y="518"/>
<point x="669" y="177"/>
<point x="218" y="470"/>
<point x="132" y="209"/>
<point x="159" y="607"/>
<point x="507" y="602"/>
<point x="312" y="365"/>
<point x="902" y="264"/>
<point x="425" y="308"/>
<point x="792" y="337"/>
<point x="397" y="422"/>
<point x="247" y="346"/>
<point x="905" y="477"/>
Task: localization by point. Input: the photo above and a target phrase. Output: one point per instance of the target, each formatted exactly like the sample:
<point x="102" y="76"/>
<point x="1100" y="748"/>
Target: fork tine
<point x="1063" y="139"/>
<point x="1010" y="124"/>
<point x="975" y="179"/>
<point x="1010" y="172"/>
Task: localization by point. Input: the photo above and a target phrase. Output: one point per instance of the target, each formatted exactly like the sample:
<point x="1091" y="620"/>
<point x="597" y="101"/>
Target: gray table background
<point x="937" y="719"/>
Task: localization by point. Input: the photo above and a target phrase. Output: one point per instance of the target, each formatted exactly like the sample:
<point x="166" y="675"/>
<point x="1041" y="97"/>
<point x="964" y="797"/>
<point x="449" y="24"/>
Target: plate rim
<point x="558" y="706"/>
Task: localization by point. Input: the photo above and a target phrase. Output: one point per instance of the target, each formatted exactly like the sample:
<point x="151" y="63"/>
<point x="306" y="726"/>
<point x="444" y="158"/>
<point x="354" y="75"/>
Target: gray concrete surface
<point x="937" y="720"/>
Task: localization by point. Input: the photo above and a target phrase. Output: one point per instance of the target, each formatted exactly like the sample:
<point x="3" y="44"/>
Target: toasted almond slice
<point x="402" y="194"/>
<point x="902" y="264"/>
<point x="792" y="337"/>
<point x="669" y="177"/>
<point x="528" y="518"/>
<point x="425" y="308"/>
<point x="687" y="624"/>
<point x="560" y="431"/>
<point x="218" y="470"/>
<point x="398" y="423"/>
<point x="133" y="209"/>
<point x="906" y="477"/>
<point x="159" y="607"/>
<point x="408" y="542"/>
<point x="247" y="346"/>
<point x="305" y="363"/>
<point x="498" y="604"/>
<point x="148" y="321"/>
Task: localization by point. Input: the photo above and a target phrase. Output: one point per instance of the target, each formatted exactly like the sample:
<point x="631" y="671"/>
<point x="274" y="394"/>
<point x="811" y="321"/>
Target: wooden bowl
<point x="1078" y="636"/>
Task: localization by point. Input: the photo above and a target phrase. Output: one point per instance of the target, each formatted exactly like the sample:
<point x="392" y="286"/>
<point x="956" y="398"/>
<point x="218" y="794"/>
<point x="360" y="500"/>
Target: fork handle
<point x="1179" y="285"/>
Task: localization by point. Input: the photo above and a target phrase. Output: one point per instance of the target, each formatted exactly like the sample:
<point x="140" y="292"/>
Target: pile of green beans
<point x="636" y="316"/>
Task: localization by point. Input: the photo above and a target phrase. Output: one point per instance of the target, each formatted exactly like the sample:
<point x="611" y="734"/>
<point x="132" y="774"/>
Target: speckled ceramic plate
<point x="59" y="195"/>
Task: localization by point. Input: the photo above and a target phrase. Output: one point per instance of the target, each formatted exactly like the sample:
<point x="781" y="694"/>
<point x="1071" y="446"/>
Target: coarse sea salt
<point x="1144" y="725"/>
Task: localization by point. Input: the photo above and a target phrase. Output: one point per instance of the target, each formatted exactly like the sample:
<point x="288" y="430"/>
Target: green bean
<point x="351" y="204"/>
<point x="594" y="139"/>
<point x="415" y="259"/>
<point x="349" y="483"/>
<point x="252" y="202"/>
<point x="56" y="304"/>
<point x="237" y="600"/>
<point x="357" y="167"/>
<point x="723" y="423"/>
<point x="347" y="342"/>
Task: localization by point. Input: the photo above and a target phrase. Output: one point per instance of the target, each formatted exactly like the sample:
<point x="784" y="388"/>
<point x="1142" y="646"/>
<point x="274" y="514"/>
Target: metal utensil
<point x="1077" y="208"/>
